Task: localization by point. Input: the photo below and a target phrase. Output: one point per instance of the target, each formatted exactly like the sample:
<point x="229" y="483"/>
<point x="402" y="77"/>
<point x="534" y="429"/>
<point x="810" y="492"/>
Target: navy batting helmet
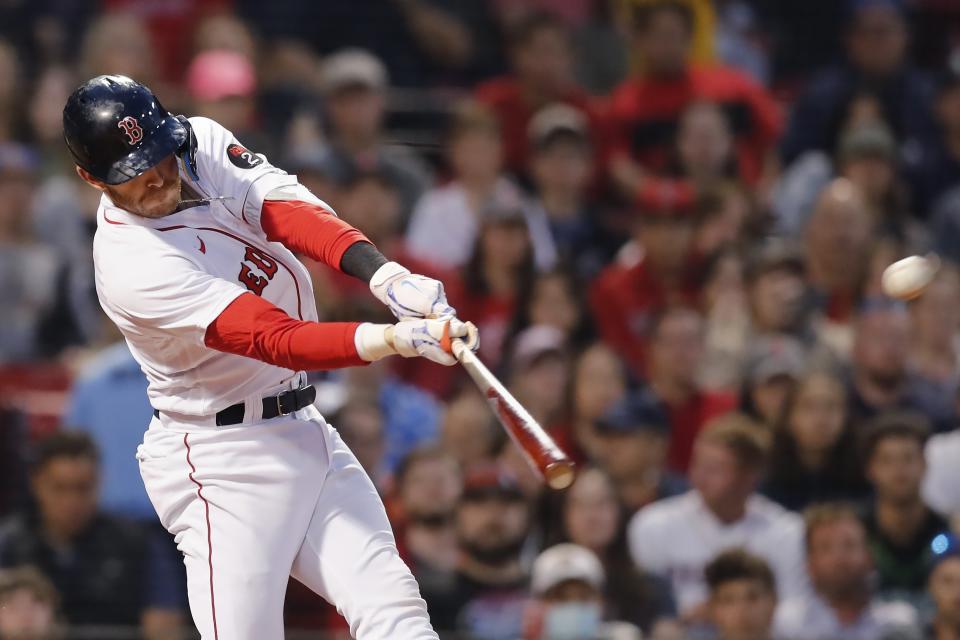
<point x="116" y="128"/>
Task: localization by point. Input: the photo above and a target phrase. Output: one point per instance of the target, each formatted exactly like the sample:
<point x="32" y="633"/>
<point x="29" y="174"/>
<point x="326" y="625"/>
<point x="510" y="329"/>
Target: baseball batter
<point x="194" y="263"/>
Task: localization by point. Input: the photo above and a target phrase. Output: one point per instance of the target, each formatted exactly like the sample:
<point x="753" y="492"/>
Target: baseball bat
<point x="538" y="447"/>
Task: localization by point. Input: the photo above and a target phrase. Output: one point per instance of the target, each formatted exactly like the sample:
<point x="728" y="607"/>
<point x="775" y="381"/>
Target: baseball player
<point x="194" y="263"/>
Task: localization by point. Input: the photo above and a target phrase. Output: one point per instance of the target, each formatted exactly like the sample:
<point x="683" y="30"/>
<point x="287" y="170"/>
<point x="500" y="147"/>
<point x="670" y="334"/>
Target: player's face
<point x="153" y="194"/>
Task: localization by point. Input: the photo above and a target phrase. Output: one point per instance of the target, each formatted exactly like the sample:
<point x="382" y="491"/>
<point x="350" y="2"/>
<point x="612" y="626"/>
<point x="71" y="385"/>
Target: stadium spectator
<point x="843" y="603"/>
<point x="539" y="373"/>
<point x="676" y="350"/>
<point x="677" y="537"/>
<point x="555" y="300"/>
<point x="446" y="222"/>
<point x="118" y="43"/>
<point x="354" y="84"/>
<point x="944" y="589"/>
<point x="29" y="270"/>
<point x="541" y="60"/>
<point x="488" y="594"/>
<point x="559" y="168"/>
<point x="599" y="381"/>
<point x="838" y="241"/>
<point x="774" y="364"/>
<point x="814" y="457"/>
<point x="108" y="571"/>
<point x="467" y="430"/>
<point x="360" y="424"/>
<point x="943" y="474"/>
<point x="900" y="527"/>
<point x="109" y="402"/>
<point x="660" y="269"/>
<point x="876" y="46"/>
<point x="644" y="109"/>
<point x="938" y="170"/>
<point x="704" y="152"/>
<point x="880" y="379"/>
<point x="567" y="583"/>
<point x="222" y="85"/>
<point x="428" y="484"/>
<point x="633" y="437"/>
<point x="28" y="606"/>
<point x="724" y="213"/>
<point x="743" y="596"/>
<point x="727" y="319"/>
<point x="933" y="358"/>
<point x="10" y="83"/>
<point x="499" y="271"/>
<point x="592" y="517"/>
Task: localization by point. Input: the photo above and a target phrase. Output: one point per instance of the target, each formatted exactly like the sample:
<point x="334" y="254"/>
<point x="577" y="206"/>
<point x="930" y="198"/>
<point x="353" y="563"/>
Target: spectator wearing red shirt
<point x="676" y="352"/>
<point x="644" y="111"/>
<point x="542" y="62"/>
<point x="659" y="268"/>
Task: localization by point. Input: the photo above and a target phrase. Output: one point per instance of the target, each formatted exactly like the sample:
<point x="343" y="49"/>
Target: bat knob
<point x="560" y="474"/>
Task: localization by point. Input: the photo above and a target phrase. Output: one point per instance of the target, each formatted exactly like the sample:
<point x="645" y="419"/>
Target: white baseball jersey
<point x="677" y="537"/>
<point x="163" y="281"/>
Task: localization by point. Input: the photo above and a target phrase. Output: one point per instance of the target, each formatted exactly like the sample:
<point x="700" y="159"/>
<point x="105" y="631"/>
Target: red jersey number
<point x="257" y="270"/>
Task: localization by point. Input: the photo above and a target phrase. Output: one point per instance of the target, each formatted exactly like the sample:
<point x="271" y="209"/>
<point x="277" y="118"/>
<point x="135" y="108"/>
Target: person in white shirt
<point x="679" y="536"/>
<point x="943" y="474"/>
<point x="840" y="569"/>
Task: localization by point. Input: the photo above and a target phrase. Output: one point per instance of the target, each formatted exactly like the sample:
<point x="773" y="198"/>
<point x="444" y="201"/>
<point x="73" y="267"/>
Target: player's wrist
<point x="374" y="341"/>
<point x="387" y="273"/>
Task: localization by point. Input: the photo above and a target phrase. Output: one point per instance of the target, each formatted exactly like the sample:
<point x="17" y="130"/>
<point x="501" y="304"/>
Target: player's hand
<point x="409" y="295"/>
<point x="425" y="338"/>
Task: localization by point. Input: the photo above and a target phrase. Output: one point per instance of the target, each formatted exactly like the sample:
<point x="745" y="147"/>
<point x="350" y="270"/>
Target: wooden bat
<point x="538" y="447"/>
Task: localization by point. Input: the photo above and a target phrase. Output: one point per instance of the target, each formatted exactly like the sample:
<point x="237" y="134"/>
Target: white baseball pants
<point x="252" y="504"/>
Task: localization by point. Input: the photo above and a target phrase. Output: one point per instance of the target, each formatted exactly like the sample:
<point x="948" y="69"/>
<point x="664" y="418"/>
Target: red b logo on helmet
<point x="132" y="129"/>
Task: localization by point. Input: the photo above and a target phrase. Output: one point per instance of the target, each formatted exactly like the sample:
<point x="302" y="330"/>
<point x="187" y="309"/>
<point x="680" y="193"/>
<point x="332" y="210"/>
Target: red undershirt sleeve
<point x="253" y="327"/>
<point x="308" y="229"/>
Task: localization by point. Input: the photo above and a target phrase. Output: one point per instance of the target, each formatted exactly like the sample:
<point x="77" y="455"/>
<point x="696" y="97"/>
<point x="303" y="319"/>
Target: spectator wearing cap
<point x="108" y="571"/>
<point x="567" y="583"/>
<point x="29" y="270"/>
<point x="560" y="167"/>
<point x="354" y="84"/>
<point x="29" y="606"/>
<point x="677" y="537"/>
<point x="900" y="527"/>
<point x="880" y="379"/>
<point x="814" y="455"/>
<point x="867" y="158"/>
<point x="676" y="353"/>
<point x="843" y="604"/>
<point x="660" y="268"/>
<point x="541" y="61"/>
<point x="774" y="363"/>
<point x="876" y="46"/>
<point x="592" y="517"/>
<point x="743" y="596"/>
<point x="222" y="85"/>
<point x="489" y="591"/>
<point x="633" y="437"/>
<point x="944" y="589"/>
<point x="446" y="221"/>
<point x="644" y="110"/>
<point x="540" y="370"/>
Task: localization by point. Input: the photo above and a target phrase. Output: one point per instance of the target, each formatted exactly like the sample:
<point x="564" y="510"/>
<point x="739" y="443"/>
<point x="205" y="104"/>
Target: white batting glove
<point x="415" y="337"/>
<point x="409" y="295"/>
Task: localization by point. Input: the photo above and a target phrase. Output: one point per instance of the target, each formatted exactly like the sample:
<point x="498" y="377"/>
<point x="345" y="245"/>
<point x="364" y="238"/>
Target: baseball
<point x="906" y="279"/>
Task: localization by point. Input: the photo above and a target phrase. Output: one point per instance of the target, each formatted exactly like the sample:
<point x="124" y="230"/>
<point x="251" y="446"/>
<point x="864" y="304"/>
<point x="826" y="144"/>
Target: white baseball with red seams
<point x="251" y="504"/>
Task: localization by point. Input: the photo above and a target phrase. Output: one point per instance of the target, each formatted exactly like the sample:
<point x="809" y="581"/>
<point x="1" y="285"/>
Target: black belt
<point x="273" y="406"/>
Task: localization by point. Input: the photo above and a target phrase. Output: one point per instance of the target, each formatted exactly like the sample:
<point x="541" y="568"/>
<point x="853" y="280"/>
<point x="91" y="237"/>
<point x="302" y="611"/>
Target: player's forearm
<point x="312" y="230"/>
<point x="253" y="327"/>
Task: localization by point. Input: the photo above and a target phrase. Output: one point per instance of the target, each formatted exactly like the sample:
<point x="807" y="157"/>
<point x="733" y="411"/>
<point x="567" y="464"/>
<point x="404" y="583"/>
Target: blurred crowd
<point x="668" y="218"/>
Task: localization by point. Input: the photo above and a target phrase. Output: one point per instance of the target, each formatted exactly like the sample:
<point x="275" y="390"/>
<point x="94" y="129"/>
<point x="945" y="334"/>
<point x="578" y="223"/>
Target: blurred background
<point x="667" y="217"/>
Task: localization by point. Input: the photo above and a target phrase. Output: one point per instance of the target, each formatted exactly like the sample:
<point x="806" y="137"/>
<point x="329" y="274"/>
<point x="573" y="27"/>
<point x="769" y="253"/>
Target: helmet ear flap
<point x="188" y="150"/>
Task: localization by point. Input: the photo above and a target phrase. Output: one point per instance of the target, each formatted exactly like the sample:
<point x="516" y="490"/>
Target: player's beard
<point x="162" y="202"/>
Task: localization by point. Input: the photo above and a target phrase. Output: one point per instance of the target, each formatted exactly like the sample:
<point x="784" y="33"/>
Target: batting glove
<point x="409" y="295"/>
<point x="415" y="337"/>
